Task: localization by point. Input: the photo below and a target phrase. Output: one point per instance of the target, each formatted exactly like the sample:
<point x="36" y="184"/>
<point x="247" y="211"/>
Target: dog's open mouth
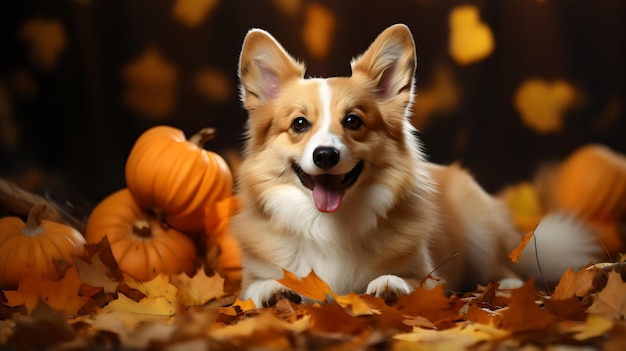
<point x="328" y="189"/>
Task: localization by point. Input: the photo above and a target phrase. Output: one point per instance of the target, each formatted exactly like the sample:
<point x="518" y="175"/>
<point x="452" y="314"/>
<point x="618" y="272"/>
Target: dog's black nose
<point x="325" y="157"/>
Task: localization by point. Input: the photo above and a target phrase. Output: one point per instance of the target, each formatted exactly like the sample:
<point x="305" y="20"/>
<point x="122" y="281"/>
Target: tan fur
<point x="401" y="221"/>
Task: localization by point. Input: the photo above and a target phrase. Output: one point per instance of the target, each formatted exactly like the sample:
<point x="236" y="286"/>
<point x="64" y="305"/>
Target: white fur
<point x="404" y="219"/>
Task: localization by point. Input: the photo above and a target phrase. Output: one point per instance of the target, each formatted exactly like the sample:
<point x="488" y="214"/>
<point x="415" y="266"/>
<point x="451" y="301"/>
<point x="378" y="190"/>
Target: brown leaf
<point x="98" y="268"/>
<point x="332" y="318"/>
<point x="431" y="304"/>
<point x="611" y="300"/>
<point x="571" y="309"/>
<point x="44" y="327"/>
<point x="523" y="313"/>
<point x="574" y="284"/>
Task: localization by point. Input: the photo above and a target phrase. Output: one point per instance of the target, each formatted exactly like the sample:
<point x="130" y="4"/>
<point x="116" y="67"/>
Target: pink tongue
<point x="327" y="192"/>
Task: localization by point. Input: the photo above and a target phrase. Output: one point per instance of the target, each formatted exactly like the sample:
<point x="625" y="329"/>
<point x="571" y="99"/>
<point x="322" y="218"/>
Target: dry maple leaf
<point x="429" y="303"/>
<point x="610" y="302"/>
<point x="332" y="318"/>
<point x="523" y="313"/>
<point x="62" y="295"/>
<point x="98" y="268"/>
<point x="574" y="284"/>
<point x="41" y="329"/>
<point x="310" y="286"/>
<point x="238" y="307"/>
<point x="199" y="289"/>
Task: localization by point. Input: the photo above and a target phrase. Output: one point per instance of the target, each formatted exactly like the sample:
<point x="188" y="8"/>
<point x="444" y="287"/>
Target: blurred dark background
<point x="503" y="86"/>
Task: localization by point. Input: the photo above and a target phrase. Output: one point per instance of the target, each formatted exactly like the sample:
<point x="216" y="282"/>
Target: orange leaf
<point x="237" y="307"/>
<point x="431" y="304"/>
<point x="574" y="284"/>
<point x="310" y="286"/>
<point x="62" y="295"/>
<point x="515" y="254"/>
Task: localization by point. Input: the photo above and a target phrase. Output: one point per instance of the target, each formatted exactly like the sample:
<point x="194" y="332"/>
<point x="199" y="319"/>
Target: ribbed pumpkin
<point x="169" y="173"/>
<point x="140" y="244"/>
<point x="592" y="183"/>
<point x="31" y="247"/>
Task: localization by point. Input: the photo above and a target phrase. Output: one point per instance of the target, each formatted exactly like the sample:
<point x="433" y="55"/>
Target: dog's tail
<point x="561" y="241"/>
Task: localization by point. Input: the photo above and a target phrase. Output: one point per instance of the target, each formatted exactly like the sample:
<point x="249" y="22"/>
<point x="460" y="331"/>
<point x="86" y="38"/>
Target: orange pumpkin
<point x="165" y="171"/>
<point x="592" y="183"/>
<point x="31" y="248"/>
<point x="140" y="244"/>
<point x="229" y="263"/>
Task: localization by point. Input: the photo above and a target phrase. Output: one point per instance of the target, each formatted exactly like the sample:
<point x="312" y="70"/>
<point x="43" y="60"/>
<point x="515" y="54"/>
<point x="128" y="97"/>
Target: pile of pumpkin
<point x="172" y="217"/>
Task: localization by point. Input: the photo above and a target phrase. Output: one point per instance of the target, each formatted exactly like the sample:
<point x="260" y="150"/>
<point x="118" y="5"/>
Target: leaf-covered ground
<point x="95" y="305"/>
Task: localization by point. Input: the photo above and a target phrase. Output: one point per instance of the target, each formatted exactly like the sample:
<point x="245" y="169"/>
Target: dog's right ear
<point x="264" y="66"/>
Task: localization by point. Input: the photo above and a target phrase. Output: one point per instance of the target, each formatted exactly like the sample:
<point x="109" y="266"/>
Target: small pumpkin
<point x="165" y="171"/>
<point x="30" y="248"/>
<point x="141" y="245"/>
<point x="591" y="183"/>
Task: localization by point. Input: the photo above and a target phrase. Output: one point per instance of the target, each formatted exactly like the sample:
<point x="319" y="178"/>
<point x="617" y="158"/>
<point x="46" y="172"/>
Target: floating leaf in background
<point x="151" y="84"/>
<point x="214" y="84"/>
<point x="193" y="12"/>
<point x="542" y="104"/>
<point x="319" y="27"/>
<point x="515" y="254"/>
<point x="47" y="41"/>
<point x="524" y="203"/>
<point x="470" y="39"/>
<point x="441" y="96"/>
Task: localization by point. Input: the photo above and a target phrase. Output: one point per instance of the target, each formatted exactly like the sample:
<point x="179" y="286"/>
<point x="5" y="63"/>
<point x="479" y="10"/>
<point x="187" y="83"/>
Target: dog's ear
<point x="390" y="62"/>
<point x="263" y="67"/>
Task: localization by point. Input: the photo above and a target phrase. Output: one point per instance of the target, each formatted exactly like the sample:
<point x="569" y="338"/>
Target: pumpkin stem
<point x="33" y="222"/>
<point x="160" y="216"/>
<point x="142" y="229"/>
<point x="202" y="137"/>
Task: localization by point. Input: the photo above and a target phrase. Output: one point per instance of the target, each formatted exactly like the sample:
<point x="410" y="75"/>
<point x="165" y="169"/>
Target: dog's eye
<point x="352" y="121"/>
<point x="300" y="125"/>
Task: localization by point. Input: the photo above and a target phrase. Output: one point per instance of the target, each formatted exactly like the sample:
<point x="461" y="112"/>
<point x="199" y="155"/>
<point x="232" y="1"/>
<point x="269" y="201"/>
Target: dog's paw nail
<point x="282" y="294"/>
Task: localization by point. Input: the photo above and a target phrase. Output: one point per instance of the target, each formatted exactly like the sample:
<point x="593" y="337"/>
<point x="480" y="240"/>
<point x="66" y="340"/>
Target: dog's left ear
<point x="390" y="62"/>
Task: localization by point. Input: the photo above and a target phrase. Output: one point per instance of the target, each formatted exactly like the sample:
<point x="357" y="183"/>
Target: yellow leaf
<point x="318" y="30"/>
<point x="199" y="289"/>
<point x="523" y="201"/>
<point x="594" y="326"/>
<point x="310" y="286"/>
<point x="470" y="39"/>
<point x="541" y="104"/>
<point x="237" y="307"/>
<point x="355" y="303"/>
<point x="156" y="306"/>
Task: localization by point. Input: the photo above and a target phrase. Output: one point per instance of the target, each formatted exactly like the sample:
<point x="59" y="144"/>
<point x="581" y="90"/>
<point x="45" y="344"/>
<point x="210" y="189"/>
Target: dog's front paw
<point x="388" y="287"/>
<point x="267" y="293"/>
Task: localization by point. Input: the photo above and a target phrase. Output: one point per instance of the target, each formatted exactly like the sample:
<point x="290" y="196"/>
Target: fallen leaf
<point x="594" y="326"/>
<point x="238" y="307"/>
<point x="523" y="313"/>
<point x="98" y="267"/>
<point x="610" y="302"/>
<point x="515" y="254"/>
<point x="574" y="284"/>
<point x="332" y="318"/>
<point x="156" y="306"/>
<point x="310" y="286"/>
<point x="429" y="303"/>
<point x="355" y="303"/>
<point x="471" y="40"/>
<point x="461" y="337"/>
<point x="199" y="289"/>
<point x="44" y="327"/>
<point x="62" y="295"/>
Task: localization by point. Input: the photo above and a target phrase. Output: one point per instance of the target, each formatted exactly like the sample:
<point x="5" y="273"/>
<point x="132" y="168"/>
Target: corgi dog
<point x="334" y="180"/>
